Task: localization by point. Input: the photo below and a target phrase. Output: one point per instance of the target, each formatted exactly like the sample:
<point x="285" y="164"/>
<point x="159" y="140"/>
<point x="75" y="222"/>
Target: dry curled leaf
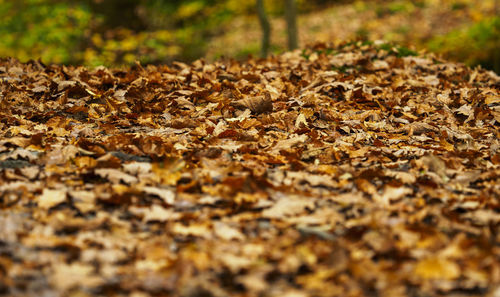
<point x="257" y="104"/>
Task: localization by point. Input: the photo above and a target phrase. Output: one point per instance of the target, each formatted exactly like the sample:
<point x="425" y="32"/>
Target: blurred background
<point x="119" y="32"/>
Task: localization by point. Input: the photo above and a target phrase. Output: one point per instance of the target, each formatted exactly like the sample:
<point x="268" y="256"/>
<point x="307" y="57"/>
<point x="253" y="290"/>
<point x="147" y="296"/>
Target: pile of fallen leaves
<point x="360" y="170"/>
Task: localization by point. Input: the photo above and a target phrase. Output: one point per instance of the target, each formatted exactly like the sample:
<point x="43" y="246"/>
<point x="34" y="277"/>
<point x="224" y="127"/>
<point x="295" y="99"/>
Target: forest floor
<point x="356" y="170"/>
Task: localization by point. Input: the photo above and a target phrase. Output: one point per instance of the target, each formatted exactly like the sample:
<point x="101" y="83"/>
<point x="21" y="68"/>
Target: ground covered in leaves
<point x="361" y="170"/>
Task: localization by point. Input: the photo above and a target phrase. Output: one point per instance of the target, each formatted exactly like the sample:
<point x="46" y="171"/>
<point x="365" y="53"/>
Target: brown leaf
<point x="257" y="104"/>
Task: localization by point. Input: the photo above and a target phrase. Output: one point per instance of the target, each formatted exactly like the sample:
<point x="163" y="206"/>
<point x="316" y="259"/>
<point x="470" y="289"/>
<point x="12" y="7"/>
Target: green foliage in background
<point x="113" y="32"/>
<point x="119" y="32"/>
<point x="123" y="47"/>
<point x="476" y="44"/>
<point x="50" y="30"/>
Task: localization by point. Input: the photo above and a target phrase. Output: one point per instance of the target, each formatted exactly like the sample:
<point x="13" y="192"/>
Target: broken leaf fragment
<point x="159" y="213"/>
<point x="200" y="230"/>
<point x="83" y="200"/>
<point x="167" y="195"/>
<point x="51" y="198"/>
<point x="288" y="206"/>
<point x="115" y="175"/>
<point x="67" y="276"/>
<point x="226" y="232"/>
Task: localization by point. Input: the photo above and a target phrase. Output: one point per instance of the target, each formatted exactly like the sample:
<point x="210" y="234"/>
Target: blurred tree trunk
<point x="266" y="28"/>
<point x="291" y="22"/>
<point x="117" y="13"/>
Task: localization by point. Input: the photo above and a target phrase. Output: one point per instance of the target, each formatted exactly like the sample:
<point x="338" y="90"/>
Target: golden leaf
<point x="51" y="198"/>
<point x="437" y="268"/>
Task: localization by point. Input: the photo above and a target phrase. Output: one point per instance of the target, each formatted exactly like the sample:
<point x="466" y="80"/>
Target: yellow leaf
<point x="169" y="172"/>
<point x="437" y="268"/>
<point x="51" y="198"/>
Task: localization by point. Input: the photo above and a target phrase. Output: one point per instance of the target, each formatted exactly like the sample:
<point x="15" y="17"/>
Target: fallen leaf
<point x="257" y="104"/>
<point x="160" y="214"/>
<point x="115" y="175"/>
<point x="437" y="268"/>
<point x="227" y="232"/>
<point x="51" y="198"/>
<point x="288" y="206"/>
<point x="168" y="196"/>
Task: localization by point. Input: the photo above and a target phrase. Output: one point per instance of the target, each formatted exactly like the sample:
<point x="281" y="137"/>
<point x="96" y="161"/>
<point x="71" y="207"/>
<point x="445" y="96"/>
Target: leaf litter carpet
<point x="356" y="170"/>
